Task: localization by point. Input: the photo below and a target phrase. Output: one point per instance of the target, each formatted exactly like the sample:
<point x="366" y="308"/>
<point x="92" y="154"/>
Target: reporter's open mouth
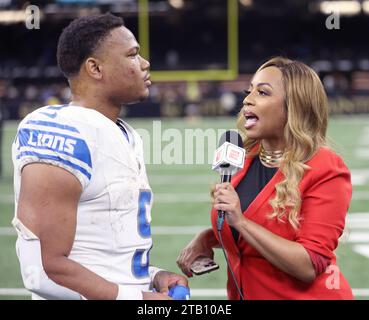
<point x="251" y="120"/>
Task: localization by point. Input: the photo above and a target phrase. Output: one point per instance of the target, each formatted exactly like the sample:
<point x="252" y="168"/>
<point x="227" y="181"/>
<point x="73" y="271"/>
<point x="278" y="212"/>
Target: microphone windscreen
<point x="231" y="136"/>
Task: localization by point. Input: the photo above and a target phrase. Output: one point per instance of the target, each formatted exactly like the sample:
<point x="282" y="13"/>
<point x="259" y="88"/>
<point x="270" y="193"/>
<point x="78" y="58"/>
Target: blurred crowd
<point x="166" y="99"/>
<point x="175" y="99"/>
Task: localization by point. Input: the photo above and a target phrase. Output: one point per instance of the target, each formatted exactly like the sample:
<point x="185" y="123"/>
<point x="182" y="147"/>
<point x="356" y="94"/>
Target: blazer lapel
<point x="264" y="194"/>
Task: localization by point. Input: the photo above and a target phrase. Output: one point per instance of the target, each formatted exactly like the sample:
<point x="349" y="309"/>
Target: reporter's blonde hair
<point x="304" y="133"/>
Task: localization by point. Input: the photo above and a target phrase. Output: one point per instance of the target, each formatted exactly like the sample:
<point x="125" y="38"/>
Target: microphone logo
<point x="228" y="156"/>
<point x="234" y="154"/>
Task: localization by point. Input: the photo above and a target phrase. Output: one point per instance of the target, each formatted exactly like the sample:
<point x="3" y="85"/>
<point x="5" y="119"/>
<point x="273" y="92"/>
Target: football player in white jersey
<point x="82" y="196"/>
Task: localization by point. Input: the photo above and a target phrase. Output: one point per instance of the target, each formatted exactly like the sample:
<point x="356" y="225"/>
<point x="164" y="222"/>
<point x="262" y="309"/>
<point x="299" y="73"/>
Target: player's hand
<point x="155" y="296"/>
<point x="196" y="248"/>
<point x="164" y="280"/>
<point x="226" y="199"/>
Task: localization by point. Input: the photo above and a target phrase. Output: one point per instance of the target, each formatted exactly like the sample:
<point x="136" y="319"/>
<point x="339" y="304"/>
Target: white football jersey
<point x="113" y="236"/>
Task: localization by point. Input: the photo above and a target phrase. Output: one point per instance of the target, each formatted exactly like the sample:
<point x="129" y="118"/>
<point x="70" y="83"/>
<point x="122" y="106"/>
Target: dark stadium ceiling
<point x="263" y="6"/>
<point x="66" y="9"/>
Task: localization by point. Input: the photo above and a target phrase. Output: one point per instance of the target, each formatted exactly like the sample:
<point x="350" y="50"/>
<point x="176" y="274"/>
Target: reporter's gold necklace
<point x="271" y="159"/>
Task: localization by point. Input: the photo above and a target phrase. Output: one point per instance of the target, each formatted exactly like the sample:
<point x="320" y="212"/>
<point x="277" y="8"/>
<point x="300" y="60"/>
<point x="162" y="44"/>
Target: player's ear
<point x="93" y="68"/>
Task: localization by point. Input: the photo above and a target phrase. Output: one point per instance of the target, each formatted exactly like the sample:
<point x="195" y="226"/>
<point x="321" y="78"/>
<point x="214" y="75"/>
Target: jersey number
<point x="140" y="261"/>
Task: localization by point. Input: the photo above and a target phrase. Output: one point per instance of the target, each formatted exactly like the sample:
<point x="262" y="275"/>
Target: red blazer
<point x="326" y="193"/>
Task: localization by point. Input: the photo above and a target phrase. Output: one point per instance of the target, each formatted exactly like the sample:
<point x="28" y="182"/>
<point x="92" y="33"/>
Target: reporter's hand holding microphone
<point x="226" y="199"/>
<point x="228" y="159"/>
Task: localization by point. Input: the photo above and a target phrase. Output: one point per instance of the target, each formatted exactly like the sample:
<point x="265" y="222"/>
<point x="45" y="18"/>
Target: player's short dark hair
<point x="81" y="38"/>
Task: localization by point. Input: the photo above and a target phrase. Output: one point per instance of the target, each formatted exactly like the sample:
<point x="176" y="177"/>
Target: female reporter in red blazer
<point x="286" y="236"/>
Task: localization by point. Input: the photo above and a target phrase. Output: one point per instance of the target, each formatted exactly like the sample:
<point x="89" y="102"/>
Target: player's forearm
<point x="74" y="276"/>
<point x="289" y="256"/>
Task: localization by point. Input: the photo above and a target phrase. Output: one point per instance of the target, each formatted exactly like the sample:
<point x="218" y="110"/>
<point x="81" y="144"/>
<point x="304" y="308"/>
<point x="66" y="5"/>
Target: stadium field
<point x="181" y="203"/>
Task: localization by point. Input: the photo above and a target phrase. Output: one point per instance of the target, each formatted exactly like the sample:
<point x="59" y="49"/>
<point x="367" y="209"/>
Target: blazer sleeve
<point x="325" y="203"/>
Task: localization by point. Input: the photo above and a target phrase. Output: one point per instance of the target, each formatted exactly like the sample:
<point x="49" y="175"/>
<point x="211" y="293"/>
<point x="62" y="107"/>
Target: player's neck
<point x="90" y="95"/>
<point x="106" y="108"/>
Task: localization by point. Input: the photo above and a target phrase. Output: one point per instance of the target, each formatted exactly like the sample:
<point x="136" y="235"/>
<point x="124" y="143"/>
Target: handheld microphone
<point x="228" y="159"/>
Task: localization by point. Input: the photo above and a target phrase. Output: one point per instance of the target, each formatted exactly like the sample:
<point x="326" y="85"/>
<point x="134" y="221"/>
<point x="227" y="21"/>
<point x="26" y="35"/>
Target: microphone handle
<point x="221" y="213"/>
<point x="225" y="178"/>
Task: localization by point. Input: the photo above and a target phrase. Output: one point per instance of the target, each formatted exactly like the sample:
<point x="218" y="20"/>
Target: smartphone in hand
<point x="203" y="265"/>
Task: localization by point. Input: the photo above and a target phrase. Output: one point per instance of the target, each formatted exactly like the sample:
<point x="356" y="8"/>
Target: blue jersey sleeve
<point x="40" y="139"/>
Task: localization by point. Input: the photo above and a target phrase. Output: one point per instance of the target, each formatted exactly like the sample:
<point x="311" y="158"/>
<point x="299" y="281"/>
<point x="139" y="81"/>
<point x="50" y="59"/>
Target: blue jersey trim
<point x="57" y="107"/>
<point x="52" y="124"/>
<point x="55" y="158"/>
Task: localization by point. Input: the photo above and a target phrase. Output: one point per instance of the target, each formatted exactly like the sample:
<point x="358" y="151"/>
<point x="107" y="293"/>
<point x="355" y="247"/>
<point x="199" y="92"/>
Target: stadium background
<point x="202" y="56"/>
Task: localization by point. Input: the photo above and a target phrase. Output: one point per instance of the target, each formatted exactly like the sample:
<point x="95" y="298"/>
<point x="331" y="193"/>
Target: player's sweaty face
<point x="125" y="70"/>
